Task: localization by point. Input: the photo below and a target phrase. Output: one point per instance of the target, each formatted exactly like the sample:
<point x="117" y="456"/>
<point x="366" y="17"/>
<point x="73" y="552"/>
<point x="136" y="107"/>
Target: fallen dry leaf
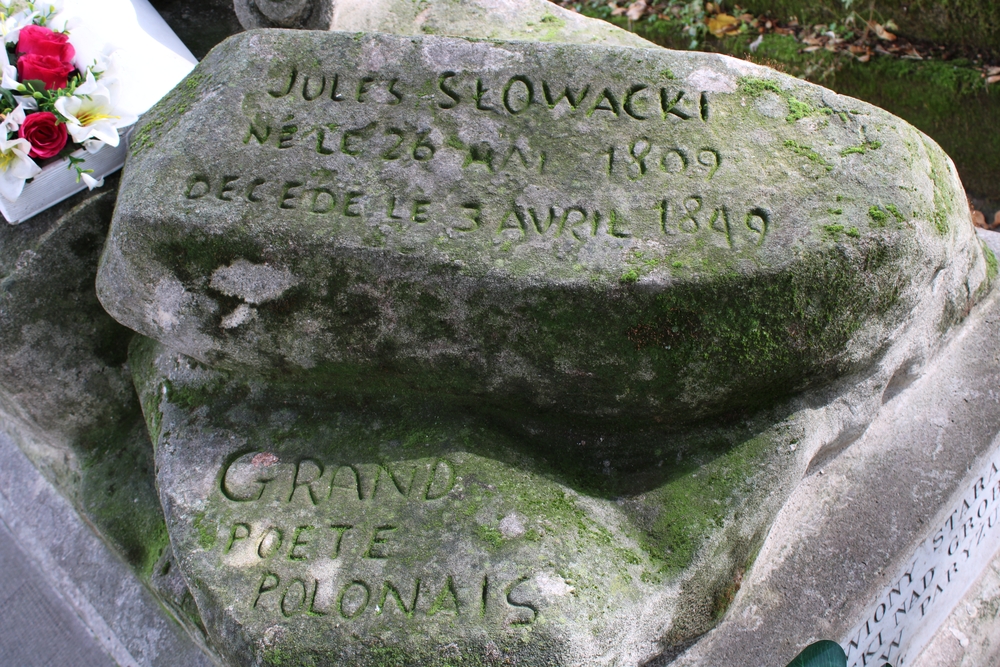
<point x="810" y="49"/>
<point x="978" y="219"/>
<point x="636" y="10"/>
<point x="865" y="58"/>
<point x="881" y="32"/>
<point x="992" y="71"/>
<point x="996" y="221"/>
<point x="721" y="24"/>
<point x="993" y="79"/>
<point x="616" y="10"/>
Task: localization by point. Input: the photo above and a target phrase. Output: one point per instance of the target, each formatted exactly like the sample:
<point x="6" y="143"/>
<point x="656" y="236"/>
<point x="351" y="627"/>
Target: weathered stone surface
<point x="66" y="394"/>
<point x="606" y="231"/>
<point x="531" y="20"/>
<point x="320" y="529"/>
<point x="876" y="546"/>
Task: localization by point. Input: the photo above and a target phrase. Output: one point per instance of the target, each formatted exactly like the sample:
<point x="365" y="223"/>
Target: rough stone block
<point x="602" y="231"/>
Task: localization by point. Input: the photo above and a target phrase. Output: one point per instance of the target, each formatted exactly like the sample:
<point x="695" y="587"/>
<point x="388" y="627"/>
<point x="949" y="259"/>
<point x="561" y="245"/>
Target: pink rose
<point x="46" y="136"/>
<point x="47" y="69"/>
<point x="39" y="41"/>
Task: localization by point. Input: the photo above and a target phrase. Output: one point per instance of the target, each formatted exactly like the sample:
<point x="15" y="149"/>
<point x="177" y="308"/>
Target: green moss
<point x="892" y="208"/>
<point x="833" y="230"/>
<point x="948" y="100"/>
<point x="861" y="148"/>
<point x="206" y="530"/>
<point x="808" y="152"/>
<point x="755" y="87"/>
<point x="991" y="262"/>
<point x="878" y="216"/>
<point x="630" y="276"/>
<point x="853" y="232"/>
<point x="490" y="535"/>
<point x="119" y="493"/>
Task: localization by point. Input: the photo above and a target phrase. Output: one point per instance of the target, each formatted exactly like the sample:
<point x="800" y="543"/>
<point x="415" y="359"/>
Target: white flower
<point x="13" y="120"/>
<point x="10" y="81"/>
<point x="15" y="167"/>
<point x="11" y="24"/>
<point x="91" y="181"/>
<point x="91" y="116"/>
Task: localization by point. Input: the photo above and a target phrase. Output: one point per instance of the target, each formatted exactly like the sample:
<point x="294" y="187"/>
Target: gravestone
<point x="510" y="351"/>
<point x="531" y="20"/>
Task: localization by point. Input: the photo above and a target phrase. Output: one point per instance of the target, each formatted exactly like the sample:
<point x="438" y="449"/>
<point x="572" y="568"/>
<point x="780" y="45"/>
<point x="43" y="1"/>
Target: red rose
<point x="39" y="41"/>
<point x="46" y="136"/>
<point x="48" y="69"/>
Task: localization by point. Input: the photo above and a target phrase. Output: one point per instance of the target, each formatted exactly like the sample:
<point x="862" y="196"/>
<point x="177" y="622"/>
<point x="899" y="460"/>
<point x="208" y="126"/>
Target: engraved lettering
<point x="351" y="200"/>
<point x="225" y="187"/>
<point x="257" y="133"/>
<point x="474" y="211"/>
<point x="441" y="481"/>
<point x="377" y="547"/>
<point x="481" y="91"/>
<point x="419" y="213"/>
<point x="393" y="152"/>
<point x="254" y="184"/>
<point x="628" y="105"/>
<point x="240" y="531"/>
<point x="363" y="85"/>
<point x="193" y="191"/>
<point x="267" y="584"/>
<point x="307" y="473"/>
<point x="395" y="93"/>
<point x="519" y="604"/>
<point x="353" y="599"/>
<point x="323" y="201"/>
<point x="270" y="543"/>
<point x="669" y="106"/>
<point x="390" y="588"/>
<point x="338" y="537"/>
<point x="287" y="195"/>
<point x="287" y="134"/>
<point x="443" y="86"/>
<point x="352" y="140"/>
<point x="298" y="600"/>
<point x="310" y="96"/>
<point x="446" y="600"/>
<point x="300" y="532"/>
<point x="571" y="98"/>
<point x="334" y="95"/>
<point x="606" y="101"/>
<point x="516" y="103"/>
<point x="287" y="88"/>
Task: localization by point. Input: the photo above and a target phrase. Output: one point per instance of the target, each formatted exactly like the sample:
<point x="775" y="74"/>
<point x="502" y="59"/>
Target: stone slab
<point x="40" y="629"/>
<point x="534" y="225"/>
<point x="529" y="20"/>
<point x="128" y="622"/>
<point x="971" y="634"/>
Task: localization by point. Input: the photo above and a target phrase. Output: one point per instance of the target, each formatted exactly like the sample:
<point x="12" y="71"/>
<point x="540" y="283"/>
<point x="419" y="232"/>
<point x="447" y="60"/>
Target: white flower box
<point x="152" y="61"/>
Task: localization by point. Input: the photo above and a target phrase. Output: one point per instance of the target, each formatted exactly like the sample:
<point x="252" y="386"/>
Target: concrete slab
<point x="74" y="573"/>
<point x="39" y="627"/>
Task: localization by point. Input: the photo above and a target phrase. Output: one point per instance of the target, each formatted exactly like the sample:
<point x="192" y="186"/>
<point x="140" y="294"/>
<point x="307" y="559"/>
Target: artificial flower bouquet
<point x="61" y="106"/>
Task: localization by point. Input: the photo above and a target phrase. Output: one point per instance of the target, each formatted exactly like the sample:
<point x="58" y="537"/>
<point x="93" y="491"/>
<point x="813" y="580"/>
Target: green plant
<point x="823" y="653"/>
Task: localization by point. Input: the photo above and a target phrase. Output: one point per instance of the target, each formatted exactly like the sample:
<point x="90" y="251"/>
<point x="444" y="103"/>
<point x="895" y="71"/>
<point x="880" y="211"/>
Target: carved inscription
<point x="934" y="580"/>
<point x="532" y="142"/>
<point x="375" y="574"/>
